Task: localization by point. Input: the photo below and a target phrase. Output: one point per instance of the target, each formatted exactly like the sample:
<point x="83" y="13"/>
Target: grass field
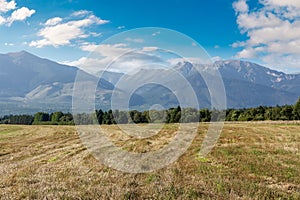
<point x="251" y="161"/>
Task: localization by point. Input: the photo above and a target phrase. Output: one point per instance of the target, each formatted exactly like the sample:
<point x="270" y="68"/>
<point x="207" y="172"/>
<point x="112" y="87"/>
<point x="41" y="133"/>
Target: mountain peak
<point x="22" y="53"/>
<point x="183" y="67"/>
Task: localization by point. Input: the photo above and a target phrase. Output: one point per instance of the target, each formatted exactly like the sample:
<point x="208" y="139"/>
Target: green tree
<point x="235" y="115"/>
<point x="296" y="110"/>
<point x="55" y="117"/>
<point x="67" y="118"/>
<point x="286" y="113"/>
<point x="41" y="117"/>
<point x="177" y="117"/>
<point x="100" y="114"/>
<point x="205" y="115"/>
<point x="20" y="119"/>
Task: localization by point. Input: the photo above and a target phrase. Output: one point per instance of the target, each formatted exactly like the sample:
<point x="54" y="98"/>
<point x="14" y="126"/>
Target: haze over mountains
<point x="29" y="84"/>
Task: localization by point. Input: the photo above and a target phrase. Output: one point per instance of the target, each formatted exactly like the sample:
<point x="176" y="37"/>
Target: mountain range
<point x="29" y="84"/>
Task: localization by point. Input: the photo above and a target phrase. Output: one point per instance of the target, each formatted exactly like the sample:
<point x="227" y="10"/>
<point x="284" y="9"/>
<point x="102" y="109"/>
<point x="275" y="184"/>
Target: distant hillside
<point x="29" y="84"/>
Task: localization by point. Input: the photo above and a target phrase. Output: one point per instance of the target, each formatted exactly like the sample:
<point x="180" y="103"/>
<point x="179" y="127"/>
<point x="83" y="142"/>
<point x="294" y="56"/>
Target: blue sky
<point x="255" y="30"/>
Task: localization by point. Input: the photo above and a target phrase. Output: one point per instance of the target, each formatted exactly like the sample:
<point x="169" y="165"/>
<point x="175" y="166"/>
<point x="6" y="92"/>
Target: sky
<point x="67" y="31"/>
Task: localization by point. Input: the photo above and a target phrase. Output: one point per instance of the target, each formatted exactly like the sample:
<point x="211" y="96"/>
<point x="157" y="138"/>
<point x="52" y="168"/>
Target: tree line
<point x="171" y="115"/>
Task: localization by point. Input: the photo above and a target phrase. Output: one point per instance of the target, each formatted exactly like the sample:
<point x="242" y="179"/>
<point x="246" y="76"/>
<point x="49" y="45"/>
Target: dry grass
<point x="251" y="161"/>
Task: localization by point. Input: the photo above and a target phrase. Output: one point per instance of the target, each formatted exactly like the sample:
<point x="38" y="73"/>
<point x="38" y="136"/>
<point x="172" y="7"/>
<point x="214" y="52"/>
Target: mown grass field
<point x="250" y="161"/>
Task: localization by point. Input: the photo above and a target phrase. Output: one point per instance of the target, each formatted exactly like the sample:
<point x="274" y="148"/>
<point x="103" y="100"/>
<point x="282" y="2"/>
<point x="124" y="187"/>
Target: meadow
<point x="252" y="160"/>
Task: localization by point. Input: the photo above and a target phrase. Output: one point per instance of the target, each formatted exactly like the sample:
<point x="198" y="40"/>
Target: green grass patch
<point x="53" y="159"/>
<point x="203" y="159"/>
<point x="150" y="178"/>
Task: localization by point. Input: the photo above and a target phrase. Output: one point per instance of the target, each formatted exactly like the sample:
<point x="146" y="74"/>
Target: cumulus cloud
<point x="273" y="32"/>
<point x="121" y="57"/>
<point x="107" y="50"/>
<point x="117" y="57"/>
<point x="58" y="32"/>
<point x="286" y="8"/>
<point x="241" y="6"/>
<point x="20" y="14"/>
<point x="247" y="53"/>
<point x="53" y="21"/>
<point x="216" y="58"/>
<point x="6" y="6"/>
<point x="81" y="13"/>
<point x="2" y="20"/>
<point x="87" y="64"/>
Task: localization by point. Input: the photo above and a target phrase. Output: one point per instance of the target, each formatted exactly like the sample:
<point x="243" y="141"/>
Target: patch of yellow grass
<point x="250" y="161"/>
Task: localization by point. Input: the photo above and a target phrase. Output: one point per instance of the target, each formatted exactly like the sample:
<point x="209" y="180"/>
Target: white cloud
<point x="87" y="64"/>
<point x="216" y="58"/>
<point x="150" y="49"/>
<point x="156" y="33"/>
<point x="81" y="13"/>
<point x="292" y="3"/>
<point x="8" y="44"/>
<point x="246" y="53"/>
<point x="97" y="20"/>
<point x="287" y="8"/>
<point x="118" y="57"/>
<point x="59" y="34"/>
<point x="20" y="15"/>
<point x="238" y="44"/>
<point x="94" y="34"/>
<point x="257" y="20"/>
<point x="107" y="50"/>
<point x="292" y="47"/>
<point x="273" y="32"/>
<point x="241" y="6"/>
<point x="135" y="40"/>
<point x="102" y="56"/>
<point x="53" y="21"/>
<point x="120" y="27"/>
<point x="114" y="50"/>
<point x="2" y="20"/>
<point x="280" y="62"/>
<point x="6" y="6"/>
